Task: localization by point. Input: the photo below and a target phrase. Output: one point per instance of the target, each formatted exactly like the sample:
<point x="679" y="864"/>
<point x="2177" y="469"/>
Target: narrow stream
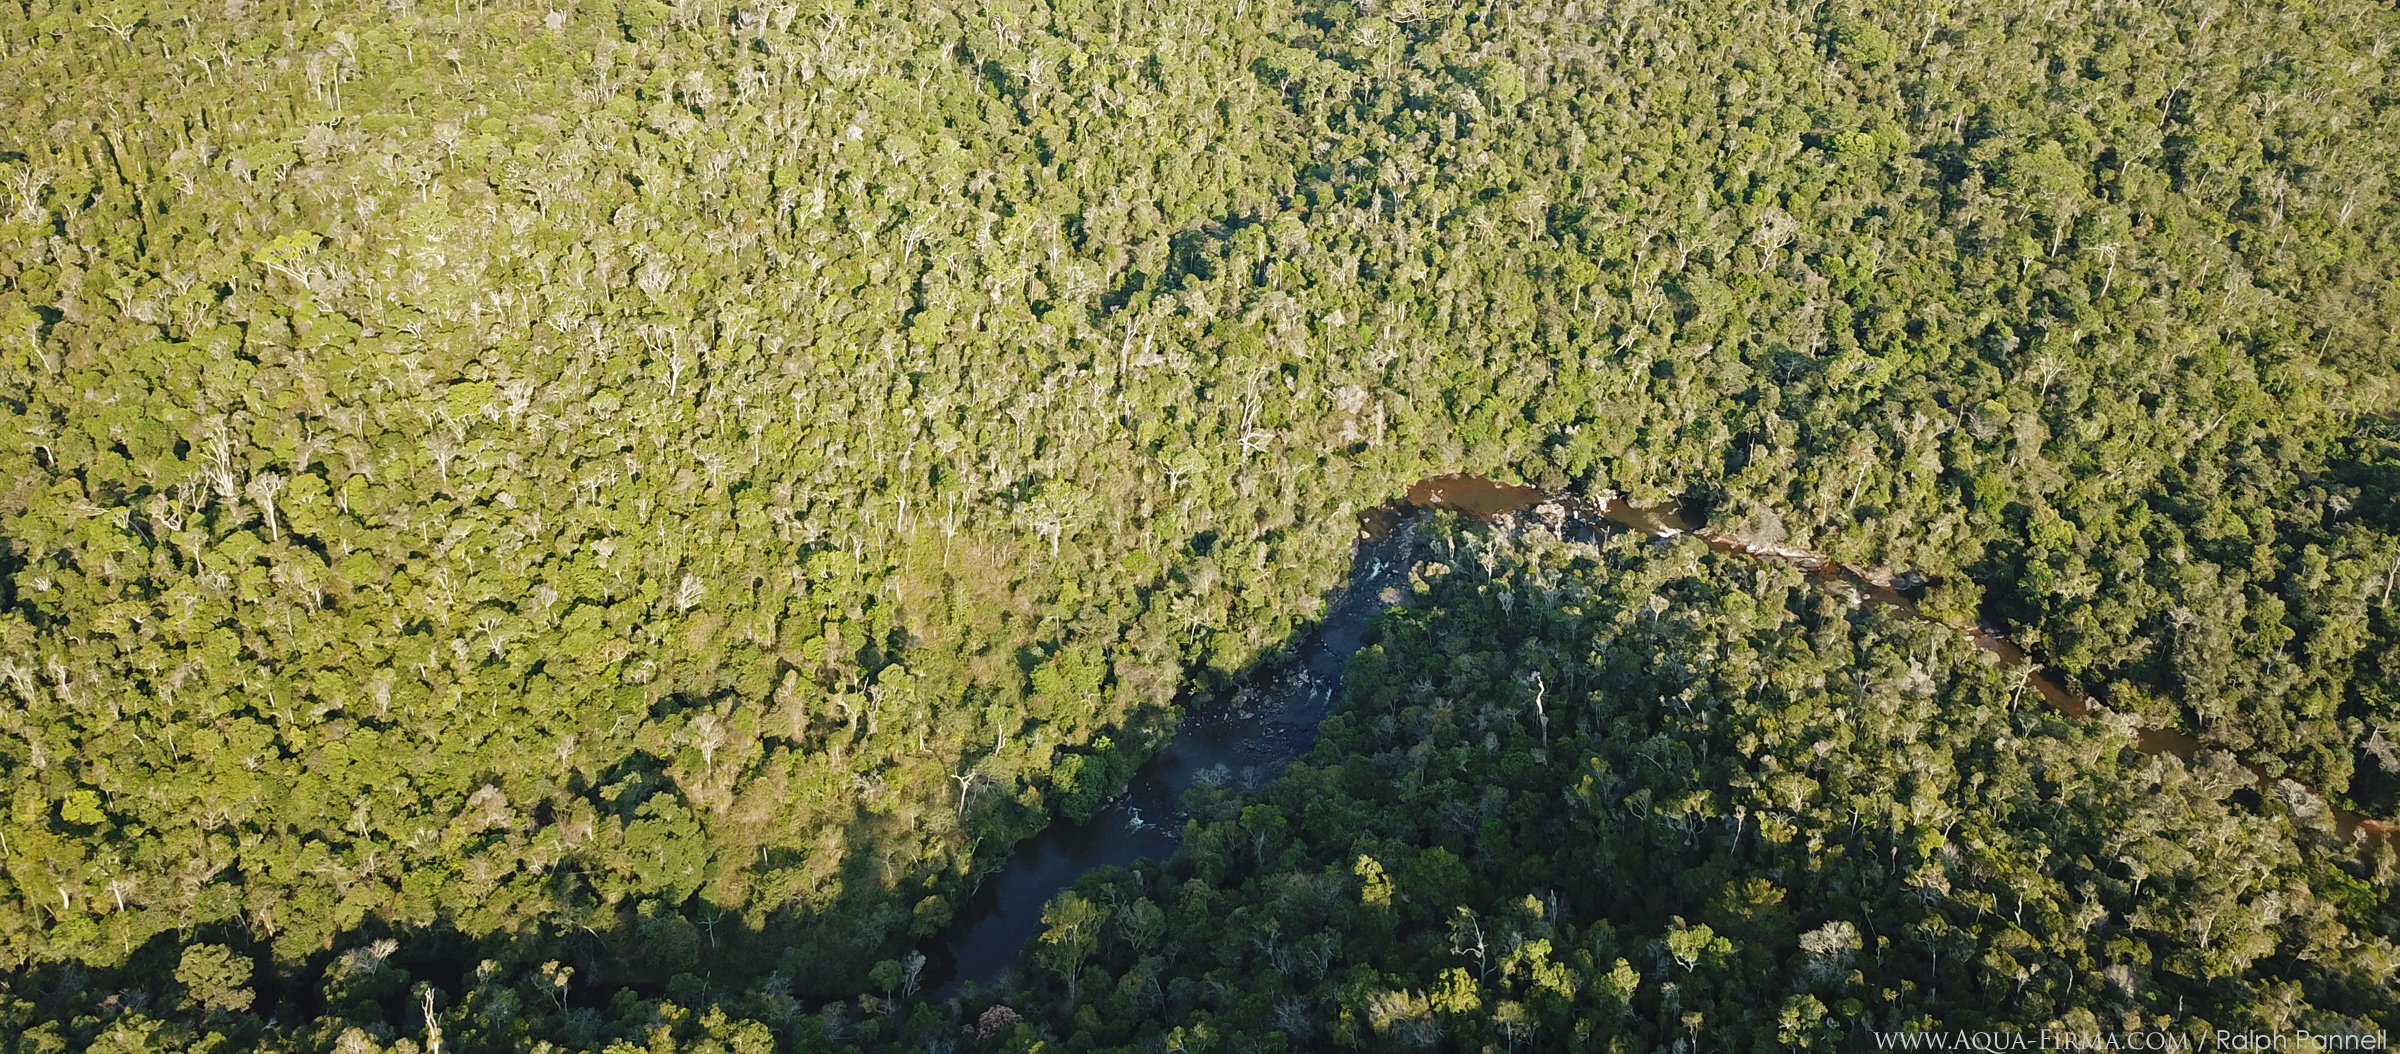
<point x="1269" y="724"/>
<point x="1243" y="742"/>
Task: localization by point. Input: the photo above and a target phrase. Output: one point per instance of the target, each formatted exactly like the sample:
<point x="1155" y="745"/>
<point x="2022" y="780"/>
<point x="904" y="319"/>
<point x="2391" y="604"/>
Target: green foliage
<point x="1763" y="817"/>
<point x="1070" y="933"/>
<point x="82" y="807"/>
<point x="215" y="977"/>
<point x="584" y="483"/>
<point x="1860" y="41"/>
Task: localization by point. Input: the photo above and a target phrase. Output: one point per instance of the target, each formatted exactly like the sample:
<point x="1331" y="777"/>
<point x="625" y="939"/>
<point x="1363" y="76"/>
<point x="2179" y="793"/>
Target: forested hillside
<point x="501" y="501"/>
<point x="1622" y="799"/>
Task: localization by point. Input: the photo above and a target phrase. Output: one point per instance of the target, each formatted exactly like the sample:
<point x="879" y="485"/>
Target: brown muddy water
<point x="1273" y="721"/>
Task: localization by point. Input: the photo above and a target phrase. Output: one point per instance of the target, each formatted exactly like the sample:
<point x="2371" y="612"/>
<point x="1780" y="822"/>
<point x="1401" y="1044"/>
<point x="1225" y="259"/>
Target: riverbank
<point x="1271" y="722"/>
<point x="1243" y="741"/>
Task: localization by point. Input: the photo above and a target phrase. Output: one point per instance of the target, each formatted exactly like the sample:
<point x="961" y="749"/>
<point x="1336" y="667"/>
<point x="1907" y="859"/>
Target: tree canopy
<point x="1617" y="797"/>
<point x="644" y="500"/>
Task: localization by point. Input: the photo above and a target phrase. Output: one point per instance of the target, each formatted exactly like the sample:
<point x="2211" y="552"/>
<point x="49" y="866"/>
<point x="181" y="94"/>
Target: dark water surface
<point x="1271" y="723"/>
<point x="1244" y="742"/>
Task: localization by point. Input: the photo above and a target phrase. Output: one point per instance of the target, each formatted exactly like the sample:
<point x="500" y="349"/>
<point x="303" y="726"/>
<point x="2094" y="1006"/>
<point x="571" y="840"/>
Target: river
<point x="1271" y="723"/>
<point x="1242" y="742"/>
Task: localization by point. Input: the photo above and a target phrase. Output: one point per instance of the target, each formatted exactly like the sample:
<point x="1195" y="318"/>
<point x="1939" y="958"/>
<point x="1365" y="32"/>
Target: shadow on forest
<point x="1273" y="720"/>
<point x="1268" y="720"/>
<point x="688" y="955"/>
<point x="698" y="951"/>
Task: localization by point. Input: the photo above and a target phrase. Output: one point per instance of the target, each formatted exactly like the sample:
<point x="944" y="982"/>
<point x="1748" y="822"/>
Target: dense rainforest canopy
<point x="1587" y="799"/>
<point x="591" y="522"/>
